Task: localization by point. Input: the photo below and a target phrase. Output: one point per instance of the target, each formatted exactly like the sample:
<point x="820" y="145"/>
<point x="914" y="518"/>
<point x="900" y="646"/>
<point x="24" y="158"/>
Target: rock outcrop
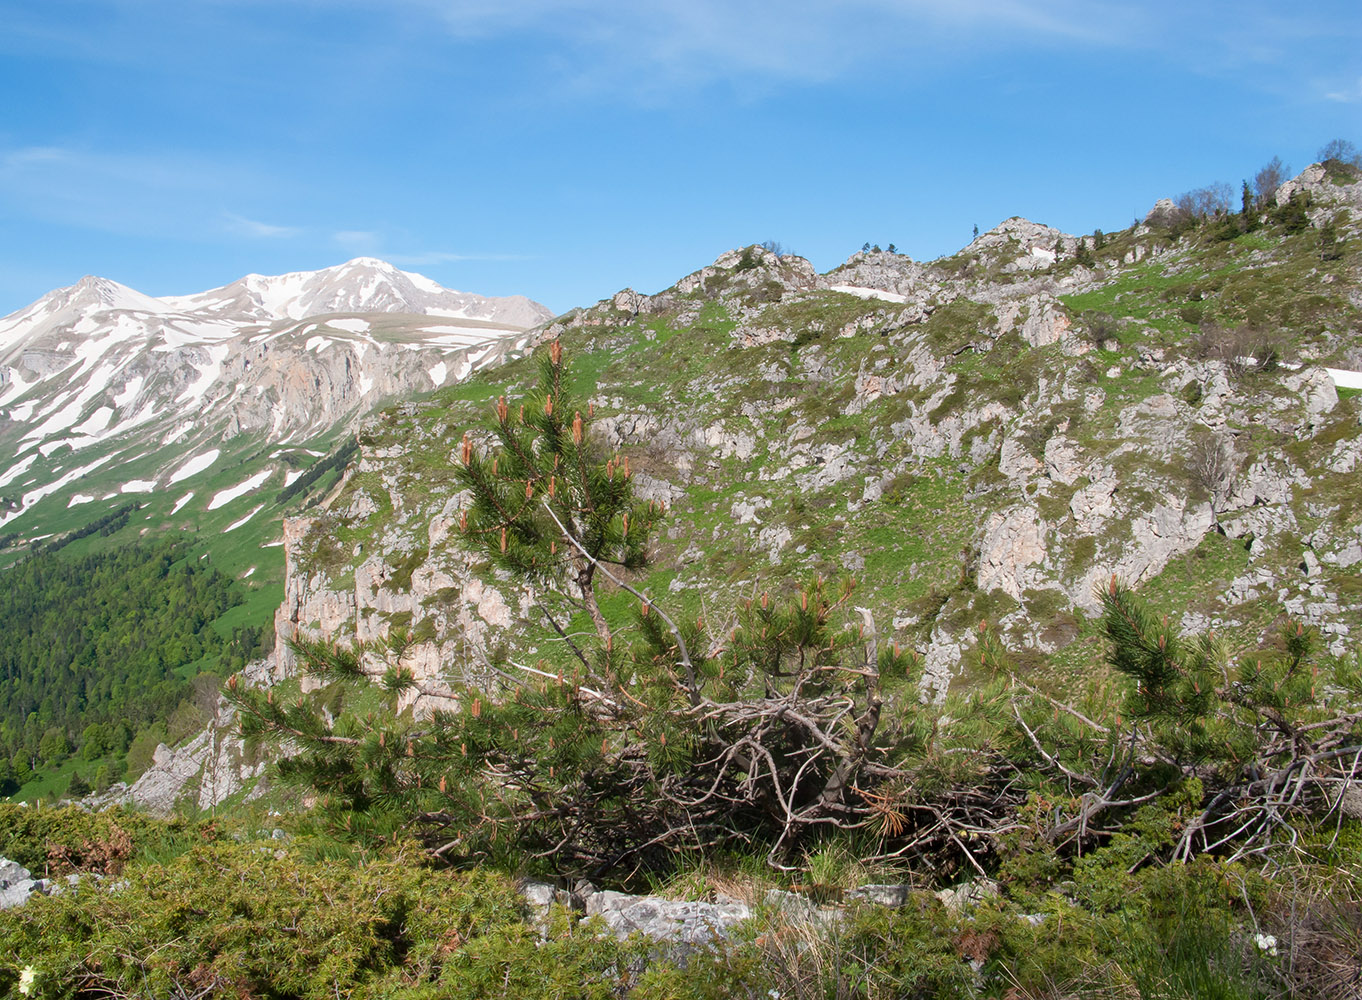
<point x="17" y="884"/>
<point x="966" y="435"/>
<point x="203" y="772"/>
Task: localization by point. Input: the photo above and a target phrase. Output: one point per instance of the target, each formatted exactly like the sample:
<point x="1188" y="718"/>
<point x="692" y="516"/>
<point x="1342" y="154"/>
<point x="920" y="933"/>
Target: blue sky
<point x="567" y="148"/>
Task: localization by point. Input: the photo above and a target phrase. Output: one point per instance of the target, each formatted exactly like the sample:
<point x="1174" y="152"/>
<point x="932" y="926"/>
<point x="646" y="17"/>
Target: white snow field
<point x="869" y="293"/>
<point x="223" y="497"/>
<point x="194" y="466"/>
<point x="236" y="524"/>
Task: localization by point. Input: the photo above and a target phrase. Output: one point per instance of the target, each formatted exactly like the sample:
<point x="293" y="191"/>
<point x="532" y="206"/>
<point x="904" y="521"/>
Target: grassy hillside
<point x="798" y="431"/>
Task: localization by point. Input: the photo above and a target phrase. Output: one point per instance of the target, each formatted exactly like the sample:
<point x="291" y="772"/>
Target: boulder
<point x="683" y="925"/>
<point x="967" y="895"/>
<point x="882" y="895"/>
<point x="17" y="884"/>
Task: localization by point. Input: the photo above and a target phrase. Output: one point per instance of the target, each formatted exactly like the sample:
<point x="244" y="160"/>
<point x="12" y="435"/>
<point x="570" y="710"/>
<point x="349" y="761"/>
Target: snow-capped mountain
<point x="99" y="376"/>
<point x="362" y="285"/>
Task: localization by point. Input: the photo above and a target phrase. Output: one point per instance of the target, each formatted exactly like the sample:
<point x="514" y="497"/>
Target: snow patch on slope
<point x="355" y="325"/>
<point x="33" y="496"/>
<point x="869" y="293"/>
<point x="226" y="496"/>
<point x="236" y="524"/>
<point x="194" y="466"/>
<point x="15" y="471"/>
<point x="208" y="374"/>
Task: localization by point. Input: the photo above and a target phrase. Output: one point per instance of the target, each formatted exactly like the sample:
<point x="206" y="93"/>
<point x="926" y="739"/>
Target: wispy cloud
<point x="800" y="39"/>
<point x="250" y="227"/>
<point x="429" y="257"/>
<point x="130" y="193"/>
<point x="641" y="51"/>
<point x="1348" y="95"/>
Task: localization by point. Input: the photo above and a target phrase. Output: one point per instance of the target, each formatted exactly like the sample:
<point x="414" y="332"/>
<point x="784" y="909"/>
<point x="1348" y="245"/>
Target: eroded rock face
<point x="1014" y="541"/>
<point x="1324" y="194"/>
<point x="1038" y="318"/>
<point x="205" y="772"/>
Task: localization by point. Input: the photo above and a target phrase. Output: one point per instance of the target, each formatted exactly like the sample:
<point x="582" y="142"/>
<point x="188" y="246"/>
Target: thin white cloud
<point x="429" y="257"/>
<point x="661" y="48"/>
<point x="129" y="193"/>
<point x="250" y="227"/>
<point x="19" y="159"/>
<point x="786" y="38"/>
<point x="1348" y="95"/>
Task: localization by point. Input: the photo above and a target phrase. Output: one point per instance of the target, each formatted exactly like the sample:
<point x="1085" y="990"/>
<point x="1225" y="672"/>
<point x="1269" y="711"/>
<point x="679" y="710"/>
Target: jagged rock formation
<point x="207" y="770"/>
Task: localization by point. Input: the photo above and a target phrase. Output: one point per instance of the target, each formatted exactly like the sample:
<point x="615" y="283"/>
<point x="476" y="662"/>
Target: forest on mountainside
<point x="95" y="648"/>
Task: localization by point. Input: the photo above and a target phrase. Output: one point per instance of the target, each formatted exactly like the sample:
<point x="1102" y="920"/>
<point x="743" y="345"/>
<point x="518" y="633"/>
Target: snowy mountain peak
<point x="100" y="376"/>
<point x="362" y="285"/>
<point x="367" y="263"/>
<point x="92" y="293"/>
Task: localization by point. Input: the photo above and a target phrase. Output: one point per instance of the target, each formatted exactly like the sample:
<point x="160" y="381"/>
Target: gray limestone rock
<point x="1162" y="214"/>
<point x="967" y="894"/>
<point x="17" y="884"/>
<point x="681" y="924"/>
<point x="1014" y="541"/>
<point x="882" y="895"/>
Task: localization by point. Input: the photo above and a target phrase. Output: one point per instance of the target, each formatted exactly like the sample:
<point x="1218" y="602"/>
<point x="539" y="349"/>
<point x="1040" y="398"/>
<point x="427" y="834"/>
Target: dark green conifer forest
<point x="97" y="648"/>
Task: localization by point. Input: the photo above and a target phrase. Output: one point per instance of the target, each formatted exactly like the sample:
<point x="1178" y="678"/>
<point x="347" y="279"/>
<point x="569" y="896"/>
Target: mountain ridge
<point x="986" y="436"/>
<point x="99" y="369"/>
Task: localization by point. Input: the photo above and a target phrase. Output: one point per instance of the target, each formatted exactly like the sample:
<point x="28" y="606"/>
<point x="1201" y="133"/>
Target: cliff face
<point x="988" y="436"/>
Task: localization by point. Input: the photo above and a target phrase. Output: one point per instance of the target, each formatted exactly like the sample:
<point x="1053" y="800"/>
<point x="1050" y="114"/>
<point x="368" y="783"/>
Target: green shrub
<point x="251" y="920"/>
<point x="31" y="836"/>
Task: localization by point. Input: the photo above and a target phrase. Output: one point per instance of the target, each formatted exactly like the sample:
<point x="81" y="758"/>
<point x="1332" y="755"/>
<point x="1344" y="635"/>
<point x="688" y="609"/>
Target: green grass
<point x="50" y="783"/>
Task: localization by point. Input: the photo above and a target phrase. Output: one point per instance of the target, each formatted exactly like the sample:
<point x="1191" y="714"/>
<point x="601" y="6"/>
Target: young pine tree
<point x="547" y="503"/>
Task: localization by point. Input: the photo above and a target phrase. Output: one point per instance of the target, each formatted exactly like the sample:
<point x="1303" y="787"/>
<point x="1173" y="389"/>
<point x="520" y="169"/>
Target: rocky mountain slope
<point x="987" y="436"/>
<point x="107" y="393"/>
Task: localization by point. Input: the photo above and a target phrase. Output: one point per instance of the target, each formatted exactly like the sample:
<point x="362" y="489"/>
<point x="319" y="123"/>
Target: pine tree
<point x="547" y="504"/>
<point x="1330" y="246"/>
<point x="1081" y="254"/>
